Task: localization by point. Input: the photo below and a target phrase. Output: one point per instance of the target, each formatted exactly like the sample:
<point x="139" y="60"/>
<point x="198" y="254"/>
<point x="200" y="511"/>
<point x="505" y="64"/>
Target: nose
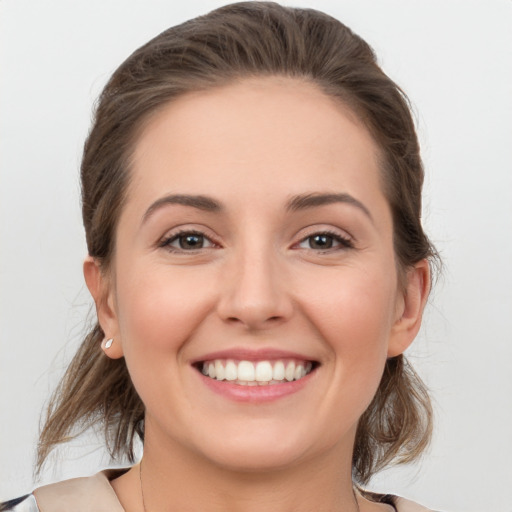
<point x="255" y="292"/>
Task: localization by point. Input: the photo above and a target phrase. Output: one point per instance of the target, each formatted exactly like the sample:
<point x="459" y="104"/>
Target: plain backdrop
<point x="453" y="58"/>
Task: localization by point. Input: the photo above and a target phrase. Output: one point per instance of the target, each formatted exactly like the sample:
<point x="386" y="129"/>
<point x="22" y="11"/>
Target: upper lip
<point x="245" y="354"/>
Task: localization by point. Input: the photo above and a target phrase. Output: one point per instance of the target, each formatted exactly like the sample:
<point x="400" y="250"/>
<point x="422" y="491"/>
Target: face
<point x="254" y="291"/>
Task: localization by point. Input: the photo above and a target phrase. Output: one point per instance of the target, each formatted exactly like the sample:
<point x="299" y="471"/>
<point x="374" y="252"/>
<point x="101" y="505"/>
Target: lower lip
<point x="266" y="393"/>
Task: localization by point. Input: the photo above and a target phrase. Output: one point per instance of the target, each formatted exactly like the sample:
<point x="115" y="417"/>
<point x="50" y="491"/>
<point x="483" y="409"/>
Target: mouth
<point x="256" y="373"/>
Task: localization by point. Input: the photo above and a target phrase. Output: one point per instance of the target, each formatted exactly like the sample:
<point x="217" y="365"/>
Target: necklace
<point x="141" y="488"/>
<point x="144" y="503"/>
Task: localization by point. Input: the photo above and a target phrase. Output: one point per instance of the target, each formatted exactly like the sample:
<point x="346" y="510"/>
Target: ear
<point x="102" y="292"/>
<point x="410" y="306"/>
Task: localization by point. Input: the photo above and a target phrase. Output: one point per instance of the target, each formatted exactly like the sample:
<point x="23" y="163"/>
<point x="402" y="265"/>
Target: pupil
<point x="191" y="241"/>
<point x="321" y="242"/>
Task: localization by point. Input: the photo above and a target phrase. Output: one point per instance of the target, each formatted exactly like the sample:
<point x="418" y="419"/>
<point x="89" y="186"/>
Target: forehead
<point x="270" y="132"/>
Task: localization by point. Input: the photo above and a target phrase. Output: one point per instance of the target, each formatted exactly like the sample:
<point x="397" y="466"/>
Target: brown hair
<point x="230" y="43"/>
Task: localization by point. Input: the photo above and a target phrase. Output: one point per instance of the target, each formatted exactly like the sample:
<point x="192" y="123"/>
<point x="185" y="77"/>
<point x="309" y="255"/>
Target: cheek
<point x="159" y="309"/>
<point x="353" y="305"/>
<point x="353" y="311"/>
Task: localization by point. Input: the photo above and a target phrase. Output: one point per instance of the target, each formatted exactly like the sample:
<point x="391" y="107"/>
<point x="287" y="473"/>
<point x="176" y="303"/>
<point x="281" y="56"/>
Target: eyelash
<point x="344" y="242"/>
<point x="167" y="241"/>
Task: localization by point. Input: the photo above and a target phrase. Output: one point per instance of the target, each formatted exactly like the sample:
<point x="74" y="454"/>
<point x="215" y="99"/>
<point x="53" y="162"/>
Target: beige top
<point x="95" y="494"/>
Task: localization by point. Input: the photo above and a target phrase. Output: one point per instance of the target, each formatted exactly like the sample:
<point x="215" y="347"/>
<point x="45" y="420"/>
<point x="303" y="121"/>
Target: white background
<point x="453" y="58"/>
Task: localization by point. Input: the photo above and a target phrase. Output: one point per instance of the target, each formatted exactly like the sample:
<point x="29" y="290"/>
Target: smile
<point x="256" y="373"/>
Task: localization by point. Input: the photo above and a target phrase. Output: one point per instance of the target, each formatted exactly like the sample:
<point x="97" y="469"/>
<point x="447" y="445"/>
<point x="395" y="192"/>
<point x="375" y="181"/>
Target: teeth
<point x="289" y="373"/>
<point x="246" y="371"/>
<point x="220" y="373"/>
<point x="278" y="373"/>
<point x="231" y="371"/>
<point x="262" y="373"/>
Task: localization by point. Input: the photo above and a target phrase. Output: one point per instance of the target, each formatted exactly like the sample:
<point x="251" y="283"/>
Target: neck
<point x="181" y="480"/>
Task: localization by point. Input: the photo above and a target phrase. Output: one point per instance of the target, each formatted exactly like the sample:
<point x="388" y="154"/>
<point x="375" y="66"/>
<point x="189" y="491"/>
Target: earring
<point x="109" y="342"/>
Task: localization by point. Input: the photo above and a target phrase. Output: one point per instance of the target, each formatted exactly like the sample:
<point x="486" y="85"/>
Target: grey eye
<point x="325" y="241"/>
<point x="188" y="242"/>
<point x="320" y="241"/>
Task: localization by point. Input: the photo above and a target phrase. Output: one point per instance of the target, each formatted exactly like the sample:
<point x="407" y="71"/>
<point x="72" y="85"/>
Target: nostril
<point x="234" y="319"/>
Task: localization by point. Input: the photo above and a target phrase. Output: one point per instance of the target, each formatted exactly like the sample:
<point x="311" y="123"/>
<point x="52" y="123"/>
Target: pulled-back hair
<point x="232" y="43"/>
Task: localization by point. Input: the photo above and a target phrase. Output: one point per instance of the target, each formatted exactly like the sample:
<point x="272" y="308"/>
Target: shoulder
<point x="95" y="494"/>
<point x="398" y="503"/>
<point x="24" y="504"/>
<point x="403" y="505"/>
<point x="86" y="494"/>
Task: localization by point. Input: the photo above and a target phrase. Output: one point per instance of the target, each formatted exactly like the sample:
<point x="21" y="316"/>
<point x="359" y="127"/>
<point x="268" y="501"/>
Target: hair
<point x="237" y="41"/>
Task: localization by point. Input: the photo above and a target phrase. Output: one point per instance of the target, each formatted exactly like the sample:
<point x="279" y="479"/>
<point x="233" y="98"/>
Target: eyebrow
<point x="304" y="201"/>
<point x="296" y="203"/>
<point x="200" y="202"/>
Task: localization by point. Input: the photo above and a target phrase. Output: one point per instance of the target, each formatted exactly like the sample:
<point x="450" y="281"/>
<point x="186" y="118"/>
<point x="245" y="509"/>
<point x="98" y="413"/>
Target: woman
<point x="251" y="197"/>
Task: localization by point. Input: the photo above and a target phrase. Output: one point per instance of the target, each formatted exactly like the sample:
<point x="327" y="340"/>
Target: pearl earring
<point x="109" y="342"/>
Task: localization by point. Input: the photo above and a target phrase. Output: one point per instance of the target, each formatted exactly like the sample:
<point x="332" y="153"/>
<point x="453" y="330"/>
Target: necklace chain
<point x="141" y="487"/>
<point x="144" y="503"/>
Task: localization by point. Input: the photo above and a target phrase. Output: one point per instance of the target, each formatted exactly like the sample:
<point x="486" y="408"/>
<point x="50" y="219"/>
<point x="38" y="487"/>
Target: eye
<point x="325" y="241"/>
<point x="187" y="241"/>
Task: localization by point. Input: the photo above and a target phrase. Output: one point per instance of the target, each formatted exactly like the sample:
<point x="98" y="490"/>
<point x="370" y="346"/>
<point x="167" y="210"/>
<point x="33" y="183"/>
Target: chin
<point x="255" y="459"/>
<point x="260" y="448"/>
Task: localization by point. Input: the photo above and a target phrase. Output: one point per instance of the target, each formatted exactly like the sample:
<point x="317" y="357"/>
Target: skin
<point x="258" y="282"/>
